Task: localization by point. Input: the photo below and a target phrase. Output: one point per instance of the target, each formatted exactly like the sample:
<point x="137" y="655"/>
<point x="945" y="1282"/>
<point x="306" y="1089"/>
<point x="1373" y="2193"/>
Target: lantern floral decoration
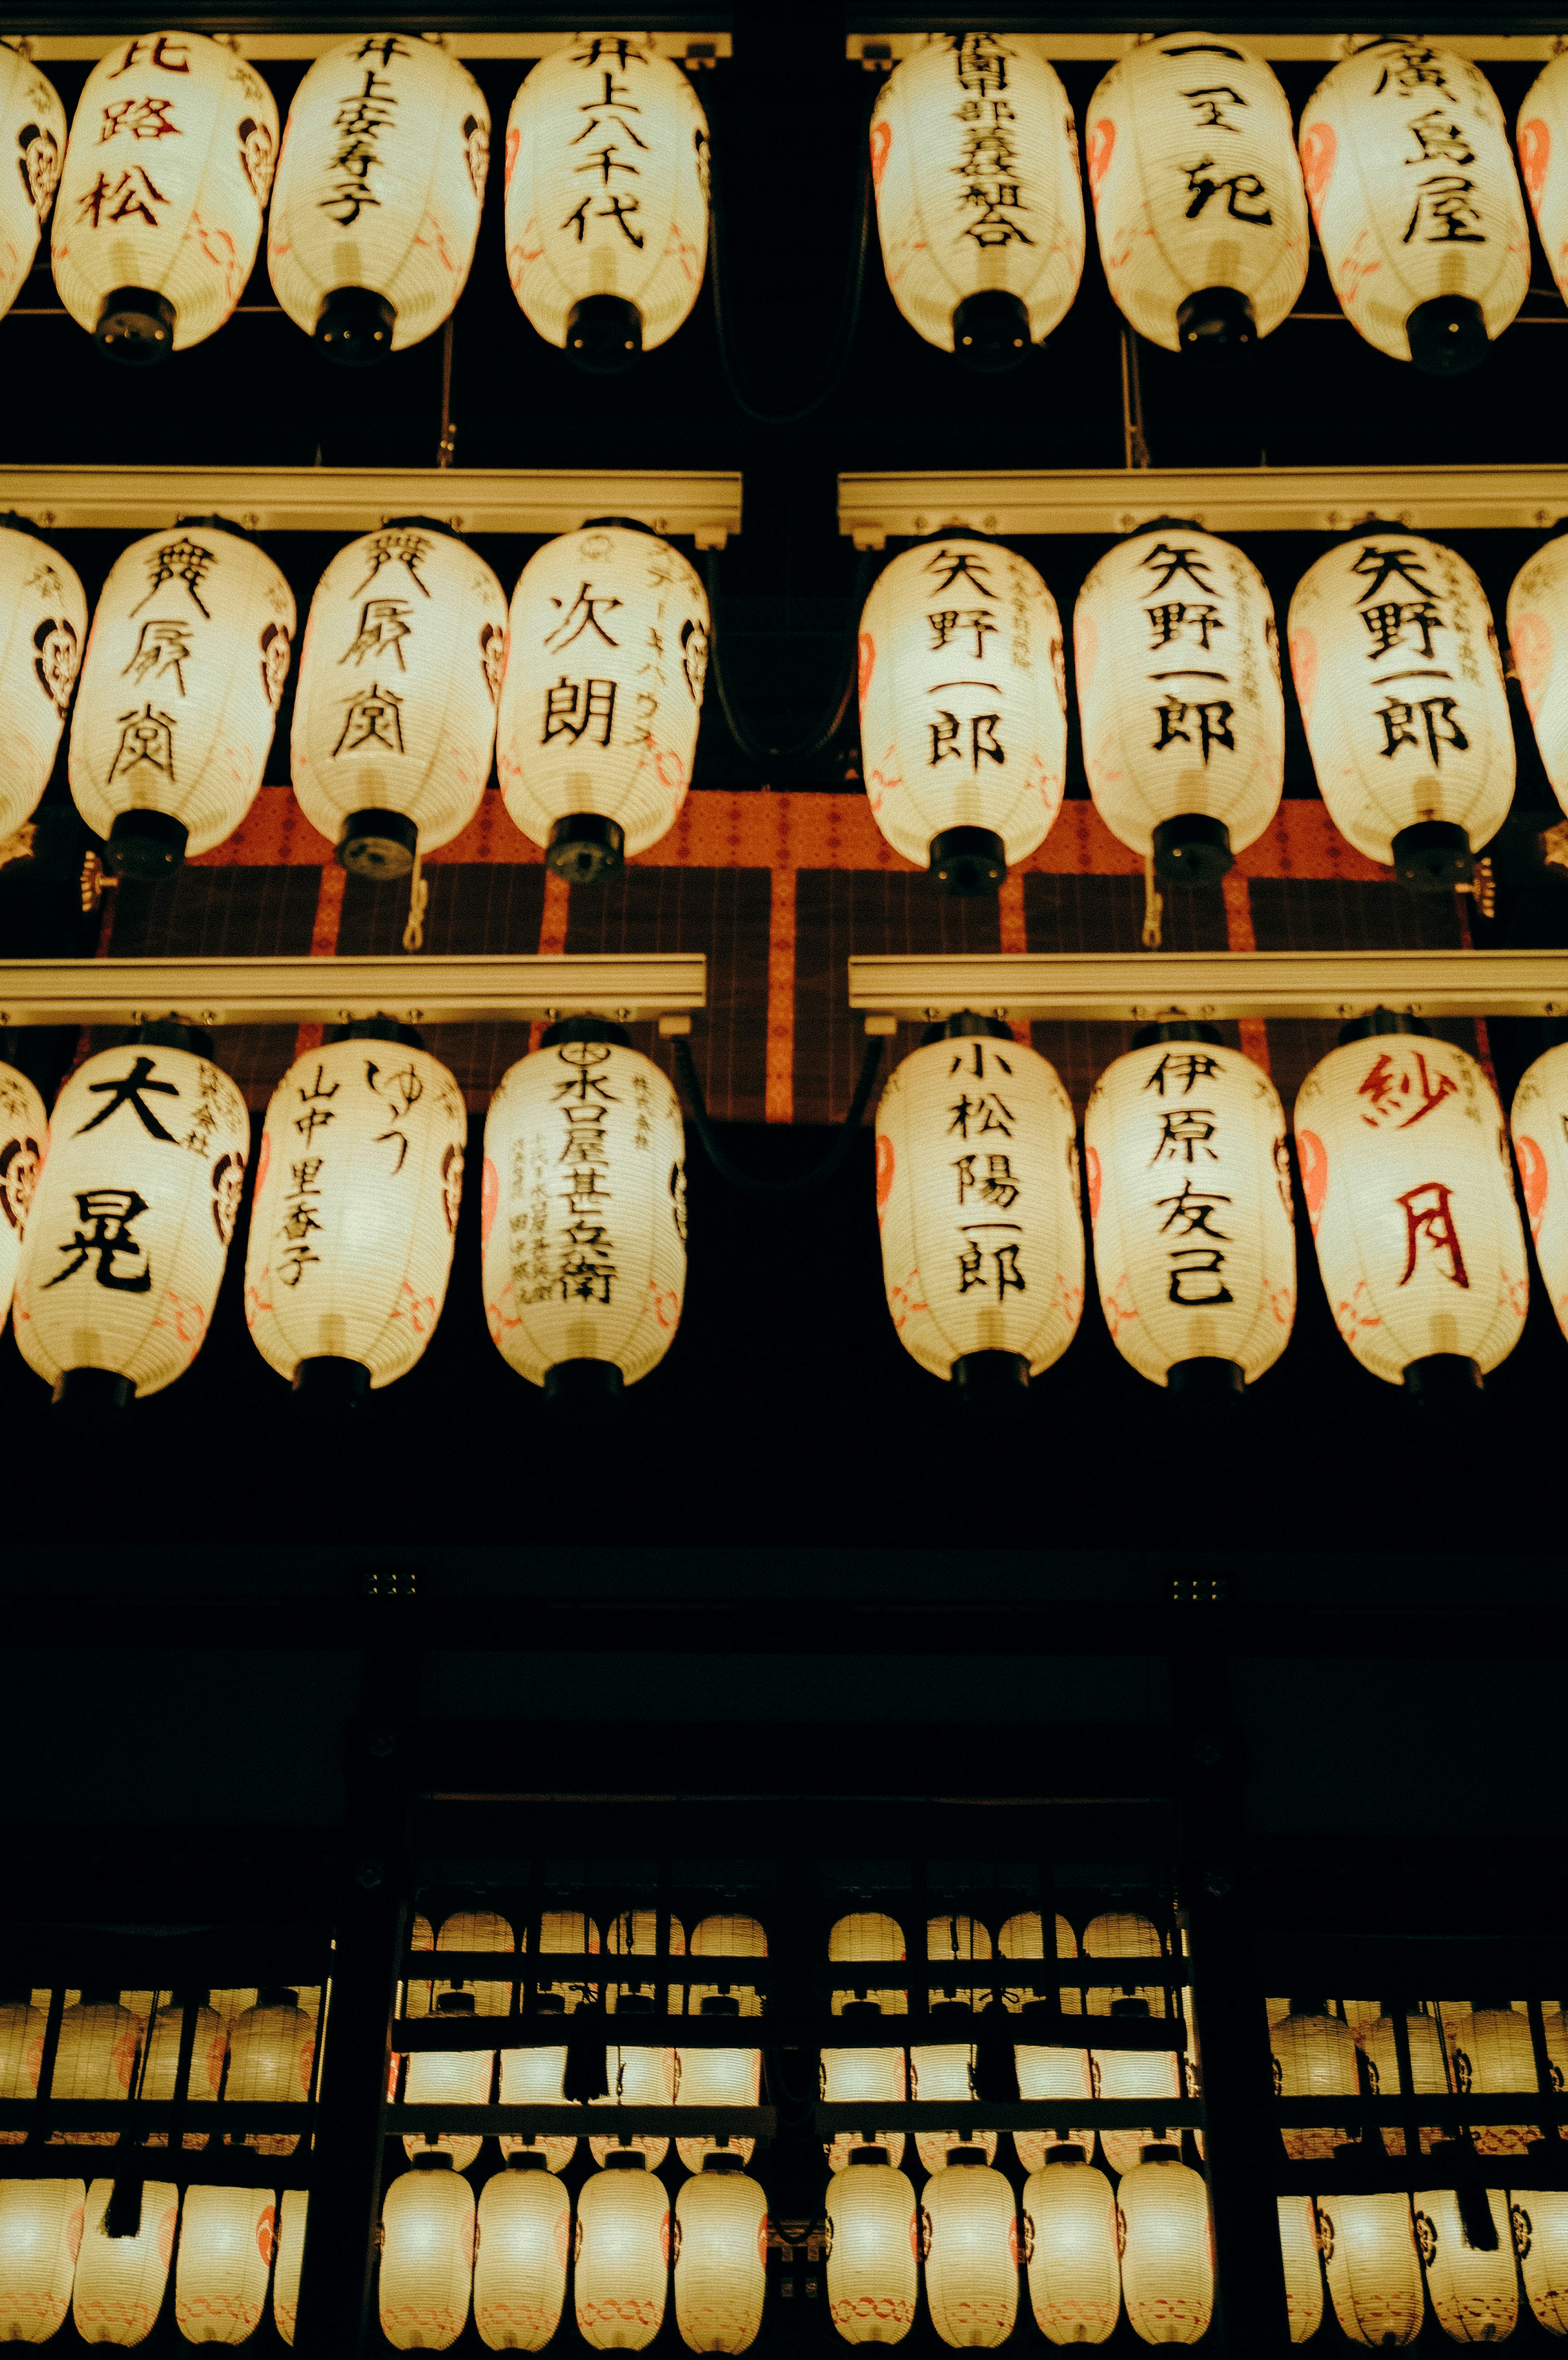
<point x="1539" y="1120"/>
<point x="1537" y="641"/>
<point x="23" y="1129"/>
<point x="43" y="622"/>
<point x="623" y="2254"/>
<point x="969" y="2233"/>
<point x="1167" y="2248"/>
<point x="120" y="2281"/>
<point x="1303" y="2266"/>
<point x="427" y="2257"/>
<point x="872" y="2255"/>
<point x="1069" y="2244"/>
<point x="226" y="2237"/>
<point x="519" y="2267"/>
<point x="1474" y="2290"/>
<point x="865" y="1938"/>
<point x="32" y="131"/>
<point x="1542" y="133"/>
<point x="721" y="2256"/>
<point x="1374" y="2270"/>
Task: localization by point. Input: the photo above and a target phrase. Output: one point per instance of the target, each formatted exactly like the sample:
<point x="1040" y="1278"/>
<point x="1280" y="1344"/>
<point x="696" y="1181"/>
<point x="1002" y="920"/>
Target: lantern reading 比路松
<point x="969" y="2231"/>
<point x="290" y="2262"/>
<point x="847" y="2075"/>
<point x="1537" y="637"/>
<point x="226" y="2237"/>
<point x="873" y="2275"/>
<point x="520" y="2261"/>
<point x="721" y="2258"/>
<point x="1069" y="2244"/>
<point x="1374" y="2271"/>
<point x="427" y="2257"/>
<point x="24" y="1125"/>
<point x="1302" y="2266"/>
<point x="622" y="2261"/>
<point x="1474" y="2290"/>
<point x="720" y="2075"/>
<point x="1314" y="2056"/>
<point x="40" y="2233"/>
<point x="1539" y="1120"/>
<point x="1167" y="2248"/>
<point x="272" y="2055"/>
<point x="120" y="2281"/>
<point x="32" y="132"/>
<point x="43" y="623"/>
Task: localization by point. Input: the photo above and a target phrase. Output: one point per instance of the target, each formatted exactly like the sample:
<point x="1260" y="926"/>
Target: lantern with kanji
<point x="519" y="2264"/>
<point x="622" y="2262"/>
<point x="1303" y="2266"/>
<point x="969" y="2231"/>
<point x="872" y="2268"/>
<point x="1314" y="2056"/>
<point x="1167" y="2247"/>
<point x="720" y="2255"/>
<point x="226" y="2237"/>
<point x="427" y="2257"/>
<point x="43" y="622"/>
<point x="1374" y="2270"/>
<point x="1541" y="131"/>
<point x="272" y="2055"/>
<point x="24" y="1125"/>
<point x="32" y="131"/>
<point x="289" y="2265"/>
<point x="867" y="1938"/>
<point x="41" y="2230"/>
<point x="1069" y="2244"/>
<point x="1538" y="642"/>
<point x="1473" y="2290"/>
<point x="121" y="2280"/>
<point x="1538" y="1120"/>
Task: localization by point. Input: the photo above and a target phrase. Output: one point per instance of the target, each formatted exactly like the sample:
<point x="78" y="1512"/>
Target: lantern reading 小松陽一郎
<point x="1069" y="2245"/>
<point x="721" y="2256"/>
<point x="427" y="2257"/>
<point x="607" y="212"/>
<point x="1374" y="2271"/>
<point x="979" y="201"/>
<point x="621" y="2270"/>
<point x="1539" y="1120"/>
<point x="43" y="622"/>
<point x="1412" y="183"/>
<point x="1198" y="207"/>
<point x="873" y="2270"/>
<point x="1395" y="660"/>
<point x="394" y="707"/>
<point x="165" y="182"/>
<point x="1541" y="131"/>
<point x="1538" y="642"/>
<point x="24" y="1125"/>
<point x="962" y="708"/>
<point x="969" y="2231"/>
<point x="180" y="685"/>
<point x="32" y="132"/>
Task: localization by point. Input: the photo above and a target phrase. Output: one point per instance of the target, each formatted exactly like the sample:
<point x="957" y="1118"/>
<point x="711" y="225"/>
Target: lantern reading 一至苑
<point x="1314" y="2056"/>
<point x="43" y="622"/>
<point x="969" y="2231"/>
<point x="120" y="2281"/>
<point x="427" y="2257"/>
<point x="41" y="2232"/>
<point x="519" y="2262"/>
<point x="1538" y="635"/>
<point x="1539" y="1120"/>
<point x="226" y="2237"/>
<point x="873" y="2275"/>
<point x="23" y="1127"/>
<point x="721" y="2258"/>
<point x="1069" y="2244"/>
<point x="622" y="2260"/>
<point x="1374" y="2271"/>
<point x="32" y="132"/>
<point x="1167" y="2248"/>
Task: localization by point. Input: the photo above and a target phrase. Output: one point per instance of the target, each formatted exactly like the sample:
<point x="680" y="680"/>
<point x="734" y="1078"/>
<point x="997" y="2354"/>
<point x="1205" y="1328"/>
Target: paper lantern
<point x="358" y="1184"/>
<point x="849" y="2075"/>
<point x="1474" y="2291"/>
<point x="721" y="2077"/>
<point x="979" y="204"/>
<point x="622" y="2255"/>
<point x="1314" y="2056"/>
<point x="379" y="190"/>
<point x="120" y="2281"/>
<point x="969" y="2233"/>
<point x="1185" y="760"/>
<point x="180" y="685"/>
<point x="584" y="1212"/>
<point x="160" y="2071"/>
<point x="1538" y="1120"/>
<point x="1538" y="631"/>
<point x="1023" y="1936"/>
<point x="1069" y="2244"/>
<point x="43" y="623"/>
<point x="607" y="219"/>
<point x="32" y="130"/>
<point x="165" y="181"/>
<point x="479" y="1930"/>
<point x="1395" y="660"/>
<point x="427" y="2257"/>
<point x="1044" y="2071"/>
<point x="1405" y="155"/>
<point x="457" y="2077"/>
<point x="1495" y="2056"/>
<point x="272" y="2054"/>
<point x="606" y="654"/>
<point x="1540" y="2218"/>
<point x="519" y="2263"/>
<point x="1167" y="2248"/>
<point x="721" y="2258"/>
<point x="635" y="2077"/>
<point x="40" y="2230"/>
<point x="1429" y="2069"/>
<point x="23" y="1127"/>
<point x="1405" y="1171"/>
<point x="22" y="2027"/>
<point x="964" y="741"/>
<point x="1303" y="2267"/>
<point x="872" y="2277"/>
<point x="290" y="2262"/>
<point x="1374" y="2271"/>
<point x="226" y="2239"/>
<point x="1541" y="130"/>
<point x="1128" y="2072"/>
<point x="536" y="2077"/>
<point x="1198" y="201"/>
<point x="946" y="2069"/>
<point x="94" y="2060"/>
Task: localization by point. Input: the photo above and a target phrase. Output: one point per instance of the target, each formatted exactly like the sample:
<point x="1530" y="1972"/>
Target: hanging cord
<point x="418" y="902"/>
<point x="819" y="1173"/>
<point x="755" y="748"/>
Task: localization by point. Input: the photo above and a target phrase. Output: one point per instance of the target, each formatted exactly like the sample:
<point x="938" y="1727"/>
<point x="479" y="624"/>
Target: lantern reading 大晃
<point x="1537" y="1119"/>
<point x="43" y="623"/>
<point x="32" y="133"/>
<point x="1538" y="642"/>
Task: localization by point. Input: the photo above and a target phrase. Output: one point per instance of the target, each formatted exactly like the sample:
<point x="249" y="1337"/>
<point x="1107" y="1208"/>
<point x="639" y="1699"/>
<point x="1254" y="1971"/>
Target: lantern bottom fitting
<point x="604" y="333"/>
<point x="1193" y="850"/>
<point x="1433" y="857"/>
<point x="1204" y="1380"/>
<point x="144" y="844"/>
<point x="581" y="1385"/>
<point x="1215" y="322"/>
<point x="968" y="860"/>
<point x="1443" y="1383"/>
<point x="330" y="1384"/>
<point x="991" y="330"/>
<point x="1448" y="334"/>
<point x="93" y="1394"/>
<point x="353" y="326"/>
<point x="583" y="847"/>
<point x="988" y="1381"/>
<point x="379" y="844"/>
<point x="136" y="326"/>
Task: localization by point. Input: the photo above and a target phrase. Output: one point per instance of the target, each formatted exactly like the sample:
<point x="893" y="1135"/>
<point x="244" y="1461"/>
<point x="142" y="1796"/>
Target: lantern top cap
<point x="626" y="2159"/>
<point x="219" y="524"/>
<point x="619" y="524"/>
<point x="423" y="523"/>
<point x="723" y="2159"/>
<point x="1378" y="1020"/>
<point x="1165" y="524"/>
<point x="974" y="2156"/>
<point x="868" y="2154"/>
<point x="99" y="1996"/>
<point x="1178" y="1028"/>
<point x="1065" y="2152"/>
<point x="527" y="2158"/>
<point x="630" y="2003"/>
<point x="719" y="2004"/>
<point x="454" y="2003"/>
<point x="379" y="1028"/>
<point x="1308" y="2007"/>
<point x="277" y="1996"/>
<point x="1163" y="2151"/>
<point x="434" y="2159"/>
<point x="584" y="1028"/>
<point x="12" y="521"/>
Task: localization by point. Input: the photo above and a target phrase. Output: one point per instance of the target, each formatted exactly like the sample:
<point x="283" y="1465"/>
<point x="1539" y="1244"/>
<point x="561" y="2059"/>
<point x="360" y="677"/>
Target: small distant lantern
<point x="290" y="2262"/>
<point x="1429" y="2068"/>
<point x="94" y="2059"/>
<point x="1302" y="2265"/>
<point x="43" y="624"/>
<point x="32" y="130"/>
<point x="1315" y="2055"/>
<point x="1474" y="2290"/>
<point x="623" y="2254"/>
<point x="963" y="709"/>
<point x="1374" y="2271"/>
<point x="181" y="686"/>
<point x="849" y="2075"/>
<point x="1495" y="2056"/>
<point x="872" y="2271"/>
<point x="22" y="2027"/>
<point x="979" y="202"/>
<point x="160" y="2067"/>
<point x="1405" y="153"/>
<point x="1128" y="2072"/>
<point x="226" y="2237"/>
<point x="454" y="2077"/>
<point x="969" y="2231"/>
<point x="636" y="2076"/>
<point x="24" y="1125"/>
<point x="519" y="2264"/>
<point x="1167" y="2248"/>
<point x="1541" y="130"/>
<point x="120" y="2281"/>
<point x="272" y="2055"/>
<point x="721" y="2258"/>
<point x="1540" y="2241"/>
<point x="1538" y="642"/>
<point x="1045" y="2071"/>
<point x="606" y="215"/>
<point x="722" y="2076"/>
<point x="427" y="2257"/>
<point x="1538" y="1120"/>
<point x="41" y="2232"/>
<point x="1069" y="2244"/>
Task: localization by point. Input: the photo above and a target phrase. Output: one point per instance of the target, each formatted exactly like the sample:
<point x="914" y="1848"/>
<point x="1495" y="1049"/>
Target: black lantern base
<point x="136" y="326"/>
<point x="583" y="847"/>
<point x="1216" y="322"/>
<point x="173" y="1033"/>
<point x="93" y="1394"/>
<point x="604" y="333"/>
<point x="1448" y="335"/>
<point x="328" y="1385"/>
<point x="354" y="327"/>
<point x="989" y="1382"/>
<point x="1378" y="1020"/>
<point x="379" y="844"/>
<point x="1193" y="850"/>
<point x="968" y="860"/>
<point x="1444" y="1385"/>
<point x="145" y="845"/>
<point x="584" y="1028"/>
<point x="1433" y="857"/>
<point x="991" y="330"/>
<point x="584" y="1385"/>
<point x="1200" y="1382"/>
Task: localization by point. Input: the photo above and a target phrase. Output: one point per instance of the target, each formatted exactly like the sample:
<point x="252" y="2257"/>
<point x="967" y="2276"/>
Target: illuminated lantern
<point x="964" y="744"/>
<point x="379" y="190"/>
<point x="1495" y="2056"/>
<point x="969" y="2233"/>
<point x="872" y="2278"/>
<point x="427" y="2257"/>
<point x="1538" y="631"/>
<point x="43" y="623"/>
<point x="623" y="2254"/>
<point x="1128" y="2072"/>
<point x="1540" y="2241"/>
<point x="358" y="1183"/>
<point x="1069" y="2243"/>
<point x="850" y="2075"/>
<point x="1045" y="2072"/>
<point x="721" y="2077"/>
<point x="537" y="2077"/>
<point x="635" y="2077"/>
<point x="21" y="2057"/>
<point x="272" y="2052"/>
<point x="519" y="2264"/>
<point x="1405" y="153"/>
<point x="974" y="160"/>
<point x="1541" y="1143"/>
<point x="1314" y="2056"/>
<point x="94" y="2060"/>
<point x="24" y="1125"/>
<point x="1405" y="1171"/>
<point x="1303" y="2267"/>
<point x="1374" y="2271"/>
<point x="40" y="2230"/>
<point x="721" y="2258"/>
<point x="32" y="130"/>
<point x="457" y="2077"/>
<point x="225" y="2258"/>
<point x="947" y="2070"/>
<point x="120" y="2281"/>
<point x="165" y="181"/>
<point x="606" y="654"/>
<point x="1429" y="2069"/>
<point x="1167" y="2248"/>
<point x="1185" y="760"/>
<point x="607" y="218"/>
<point x="290" y="2262"/>
<point x="1198" y="201"/>
<point x="1474" y="2291"/>
<point x="479" y="1930"/>
<point x="584" y="1281"/>
<point x="180" y="685"/>
<point x="1541" y="130"/>
<point x="161" y="2069"/>
<point x="1395" y="660"/>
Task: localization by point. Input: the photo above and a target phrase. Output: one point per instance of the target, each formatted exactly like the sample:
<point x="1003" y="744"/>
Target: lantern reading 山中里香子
<point x="969" y="2231"/>
<point x="1373" y="2268"/>
<point x="32" y="132"/>
<point x="43" y="623"/>
<point x="1314" y="2056"/>
<point x="24" y="1125"/>
<point x="226" y="2239"/>
<point x="721" y="2256"/>
<point x="1538" y="643"/>
<point x="41" y="2232"/>
<point x="1167" y="2247"/>
<point x="622" y="2261"/>
<point x="1539" y="1120"/>
<point x="427" y="2257"/>
<point x="872" y="2276"/>
<point x="521" y="2256"/>
<point x="1069" y="2245"/>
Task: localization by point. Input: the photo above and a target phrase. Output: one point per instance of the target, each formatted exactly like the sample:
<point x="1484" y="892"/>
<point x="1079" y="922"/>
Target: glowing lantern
<point x="379" y="190"/>
<point x="969" y="2231"/>
<point x="1303" y="2267"/>
<point x="1314" y="2056"/>
<point x="635" y="2077"/>
<point x="427" y="2257"/>
<point x="21" y="2058"/>
<point x="849" y="2075"/>
<point x="24" y="1125"/>
<point x="519" y="2264"/>
<point x="1538" y="622"/>
<point x="1405" y="155"/>
<point x="1541" y="2240"/>
<point x="872" y="2278"/>
<point x="165" y="181"/>
<point x="32" y="130"/>
<point x="721" y="2258"/>
<point x="1541" y="1143"/>
<point x="225" y="2258"/>
<point x="1045" y="2072"/>
<point x="457" y="2077"/>
<point x="1167" y="2248"/>
<point x="1198" y="198"/>
<point x="606" y="654"/>
<point x="1405" y="1170"/>
<point x="94" y="2060"/>
<point x="1429" y="2068"/>
<point x="43" y="622"/>
<point x="160" y="2071"/>
<point x="964" y="745"/>
<point x="537" y="2077"/>
<point x="272" y="2052"/>
<point x="180" y="685"/>
<point x="120" y="2281"/>
<point x="290" y="2262"/>
<point x="623" y="2254"/>
<point x="1185" y="760"/>
<point x="358" y="1183"/>
<point x="40" y="2230"/>
<point x="1128" y="2072"/>
<point x="1495" y="2056"/>
<point x="1474" y="2291"/>
<point x="721" y="2077"/>
<point x="1395" y="660"/>
<point x="1374" y="2271"/>
<point x="1541" y="129"/>
<point x="975" y="159"/>
<point x="606" y="219"/>
<point x="479" y="1930"/>
<point x="947" y="2070"/>
<point x="1069" y="2244"/>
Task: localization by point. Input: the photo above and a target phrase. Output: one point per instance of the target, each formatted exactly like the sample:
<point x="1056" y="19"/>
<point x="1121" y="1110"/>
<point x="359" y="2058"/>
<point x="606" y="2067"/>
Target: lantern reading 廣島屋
<point x="427" y="2257"/>
<point x="43" y="622"/>
<point x="1541" y="131"/>
<point x="606" y="654"/>
<point x="622" y="2260"/>
<point x="1198" y="201"/>
<point x="519" y="2263"/>
<point x="979" y="202"/>
<point x="180" y="685"/>
<point x="1397" y="672"/>
<point x="606" y="214"/>
<point x="165" y="181"/>
<point x="1538" y="642"/>
<point x="873" y="2275"/>
<point x="1179" y="694"/>
<point x="1405" y="1170"/>
<point x="721" y="2258"/>
<point x="1069" y="2244"/>
<point x="962" y="708"/>
<point x="1373" y="2268"/>
<point x="24" y="1125"/>
<point x="32" y="132"/>
<point x="969" y="2231"/>
<point x="1405" y="153"/>
<point x="379" y="190"/>
<point x="40" y="2234"/>
<point x="1167" y="2248"/>
<point x="1541" y="1143"/>
<point x="394" y="707"/>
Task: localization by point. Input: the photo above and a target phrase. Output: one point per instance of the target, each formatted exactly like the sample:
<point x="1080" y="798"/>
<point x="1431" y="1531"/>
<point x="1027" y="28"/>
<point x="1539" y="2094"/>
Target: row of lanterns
<point x="105" y="2054"/>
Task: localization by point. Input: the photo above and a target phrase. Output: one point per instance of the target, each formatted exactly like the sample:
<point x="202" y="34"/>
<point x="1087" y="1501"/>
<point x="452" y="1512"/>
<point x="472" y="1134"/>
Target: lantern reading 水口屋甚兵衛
<point x="622" y="2261"/>
<point x="873" y="2270"/>
<point x="721" y="2256"/>
<point x="1070" y="2247"/>
<point x="524" y="2236"/>
<point x="427" y="2257"/>
<point x="32" y="131"/>
<point x="43" y="623"/>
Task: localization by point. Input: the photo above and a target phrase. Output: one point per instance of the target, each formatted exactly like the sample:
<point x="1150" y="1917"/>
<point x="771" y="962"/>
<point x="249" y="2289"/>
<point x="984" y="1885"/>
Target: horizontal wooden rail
<point x="447" y="2034"/>
<point x="601" y="2121"/>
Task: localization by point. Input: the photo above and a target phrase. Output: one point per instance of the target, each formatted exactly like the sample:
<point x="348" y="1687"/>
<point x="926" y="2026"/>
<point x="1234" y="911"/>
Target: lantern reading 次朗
<point x="848" y="2075"/>
<point x="721" y="2254"/>
<point x="272" y="2055"/>
<point x="427" y="2257"/>
<point x="226" y="2237"/>
<point x="32" y="132"/>
<point x="1069" y="2244"/>
<point x="872" y="2267"/>
<point x="24" y="1125"/>
<point x="1539" y="1120"/>
<point x="41" y="2232"/>
<point x="969" y="2231"/>
<point x="120" y="2281"/>
<point x="1538" y="635"/>
<point x="1302" y="2266"/>
<point x="1167" y="2248"/>
<point x="622" y="2260"/>
<point x="287" y="2269"/>
<point x="519" y="2263"/>
<point x="1374" y="2270"/>
<point x="720" y="2075"/>
<point x="43" y="623"/>
<point x="1474" y="2290"/>
<point x="1314" y="2056"/>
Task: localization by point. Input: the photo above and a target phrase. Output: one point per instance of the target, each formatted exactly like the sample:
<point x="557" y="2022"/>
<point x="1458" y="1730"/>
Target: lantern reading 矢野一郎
<point x="43" y="622"/>
<point x="24" y="1125"/>
<point x="379" y="190"/>
<point x="606" y="654"/>
<point x="1179" y="694"/>
<point x="427" y="2257"/>
<point x="32" y="133"/>
<point x="606" y="213"/>
<point x="179" y="697"/>
<point x="1412" y="183"/>
<point x="394" y="707"/>
<point x="1397" y="672"/>
<point x="963" y="709"/>
<point x="979" y="202"/>
<point x="166" y="180"/>
<point x="873" y="2274"/>
<point x="1541" y="131"/>
<point x="1198" y="207"/>
<point x="1069" y="2244"/>
<point x="1538" y="1120"/>
<point x="1538" y="642"/>
<point x="622" y="2260"/>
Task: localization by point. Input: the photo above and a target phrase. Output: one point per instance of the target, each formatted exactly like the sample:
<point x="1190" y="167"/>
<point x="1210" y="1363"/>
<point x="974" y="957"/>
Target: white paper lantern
<point x="43" y="623"/>
<point x="606" y="654"/>
<point x="32" y="131"/>
<point x="1044" y="2071"/>
<point x="849" y="2075"/>
<point x="969" y="2233"/>
<point x="41" y="2230"/>
<point x="165" y="181"/>
<point x="272" y="2054"/>
<point x="1429" y="2069"/>
<point x="1314" y="2056"/>
<point x="1541" y="130"/>
<point x="226" y="2237"/>
<point x="1474" y="2291"/>
<point x="1128" y="2072"/>
<point x="962" y="708"/>
<point x="478" y="1930"/>
<point x="721" y="2077"/>
<point x="95" y="2061"/>
<point x="622" y="2255"/>
<point x="1303" y="2267"/>
<point x="536" y="2077"/>
<point x="1538" y="637"/>
<point x="1176" y="660"/>
<point x="1198" y="201"/>
<point x="379" y="190"/>
<point x="358" y="1182"/>
<point x="427" y="2257"/>
<point x="1069" y="2244"/>
<point x="120" y="2281"/>
<point x="1538" y="1120"/>
<point x="607" y="219"/>
<point x="979" y="204"/>
<point x="22" y="2028"/>
<point x="1405" y="153"/>
<point x="721" y="2258"/>
<point x="160" y="2069"/>
<point x="1167" y="2248"/>
<point x="456" y="2077"/>
<point x="1540" y="2218"/>
<point x="1395" y="660"/>
<point x="290" y="2262"/>
<point x="1374" y="2270"/>
<point x="23" y="1127"/>
<point x="180" y="685"/>
<point x="872" y="2268"/>
<point x="1495" y="2056"/>
<point x="1405" y="1171"/>
<point x="946" y="2069"/>
<point x="519" y="2264"/>
<point x="635" y="2077"/>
